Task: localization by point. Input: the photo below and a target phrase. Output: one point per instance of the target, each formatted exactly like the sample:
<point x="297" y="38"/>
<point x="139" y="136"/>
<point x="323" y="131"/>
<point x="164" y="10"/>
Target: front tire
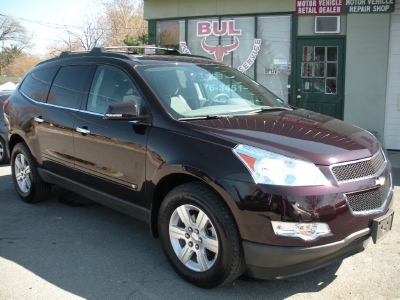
<point x="30" y="187"/>
<point x="199" y="236"/>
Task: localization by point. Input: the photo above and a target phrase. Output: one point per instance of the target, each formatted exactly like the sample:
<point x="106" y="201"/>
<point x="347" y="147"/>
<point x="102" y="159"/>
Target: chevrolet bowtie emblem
<point x="380" y="180"/>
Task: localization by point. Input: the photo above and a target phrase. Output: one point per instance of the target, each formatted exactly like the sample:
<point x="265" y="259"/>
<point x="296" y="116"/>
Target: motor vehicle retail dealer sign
<point x="319" y="7"/>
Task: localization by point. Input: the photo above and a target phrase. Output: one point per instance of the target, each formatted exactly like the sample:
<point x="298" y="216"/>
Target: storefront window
<point x="244" y="25"/>
<point x="233" y="41"/>
<point x="170" y="33"/>
<point x="200" y="35"/>
<point x="274" y="60"/>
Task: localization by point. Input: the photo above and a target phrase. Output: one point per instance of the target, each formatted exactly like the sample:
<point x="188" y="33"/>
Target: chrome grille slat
<point x="365" y="201"/>
<point x="359" y="169"/>
<point x="369" y="200"/>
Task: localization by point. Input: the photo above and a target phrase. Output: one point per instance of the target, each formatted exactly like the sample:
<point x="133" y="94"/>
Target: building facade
<point x="337" y="57"/>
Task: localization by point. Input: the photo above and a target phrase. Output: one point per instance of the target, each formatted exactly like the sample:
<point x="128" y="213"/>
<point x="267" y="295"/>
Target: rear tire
<point x="30" y="187"/>
<point x="199" y="236"/>
<point x="4" y="159"/>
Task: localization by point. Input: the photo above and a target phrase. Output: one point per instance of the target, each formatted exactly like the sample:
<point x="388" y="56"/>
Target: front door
<point x="111" y="154"/>
<point x="319" y="76"/>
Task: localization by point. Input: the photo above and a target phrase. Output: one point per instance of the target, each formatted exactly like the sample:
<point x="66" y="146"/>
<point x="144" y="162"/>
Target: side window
<point x="109" y="86"/>
<point x="67" y="88"/>
<point x="36" y="83"/>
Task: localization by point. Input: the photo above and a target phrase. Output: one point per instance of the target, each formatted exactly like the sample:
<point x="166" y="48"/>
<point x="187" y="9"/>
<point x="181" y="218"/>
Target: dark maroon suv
<point x="231" y="178"/>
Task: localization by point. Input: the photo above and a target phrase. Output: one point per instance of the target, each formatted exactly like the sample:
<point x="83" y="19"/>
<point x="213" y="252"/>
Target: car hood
<point x="298" y="133"/>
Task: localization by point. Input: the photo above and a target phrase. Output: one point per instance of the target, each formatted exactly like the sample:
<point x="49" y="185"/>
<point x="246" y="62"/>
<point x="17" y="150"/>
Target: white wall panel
<point x="392" y="123"/>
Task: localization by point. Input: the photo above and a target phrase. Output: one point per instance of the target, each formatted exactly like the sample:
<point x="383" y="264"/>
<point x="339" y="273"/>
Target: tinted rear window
<point x="36" y="83"/>
<point x="68" y="86"/>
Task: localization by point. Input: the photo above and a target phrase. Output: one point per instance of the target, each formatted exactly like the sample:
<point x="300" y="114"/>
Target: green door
<point x="319" y="76"/>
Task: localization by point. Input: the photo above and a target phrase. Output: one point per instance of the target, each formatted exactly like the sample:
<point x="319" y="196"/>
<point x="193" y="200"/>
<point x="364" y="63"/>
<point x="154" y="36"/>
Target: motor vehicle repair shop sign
<point x="338" y="7"/>
<point x="369" y="6"/>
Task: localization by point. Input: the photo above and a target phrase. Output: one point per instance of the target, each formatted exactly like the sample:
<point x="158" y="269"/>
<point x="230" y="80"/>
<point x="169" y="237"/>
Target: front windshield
<point x="195" y="91"/>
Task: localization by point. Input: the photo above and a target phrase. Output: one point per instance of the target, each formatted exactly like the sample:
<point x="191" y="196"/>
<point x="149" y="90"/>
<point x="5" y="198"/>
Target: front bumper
<point x="275" y="262"/>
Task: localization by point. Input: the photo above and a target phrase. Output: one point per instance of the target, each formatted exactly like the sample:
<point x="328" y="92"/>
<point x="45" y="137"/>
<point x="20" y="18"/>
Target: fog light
<point x="305" y="231"/>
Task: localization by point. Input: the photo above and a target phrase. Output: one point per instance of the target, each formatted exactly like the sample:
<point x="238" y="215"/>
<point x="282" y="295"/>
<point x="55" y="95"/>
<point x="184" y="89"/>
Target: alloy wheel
<point x="193" y="238"/>
<point x="22" y="173"/>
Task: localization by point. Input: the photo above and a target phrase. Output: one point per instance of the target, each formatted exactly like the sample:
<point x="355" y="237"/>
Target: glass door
<point x="319" y="76"/>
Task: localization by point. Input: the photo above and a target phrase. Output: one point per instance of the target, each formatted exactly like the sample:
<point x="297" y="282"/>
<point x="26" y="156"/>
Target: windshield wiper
<point x="208" y="117"/>
<point x="271" y="108"/>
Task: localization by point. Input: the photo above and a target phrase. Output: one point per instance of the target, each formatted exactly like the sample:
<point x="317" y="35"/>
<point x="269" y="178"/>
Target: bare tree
<point x="114" y="22"/>
<point x="313" y="202"/>
<point x="55" y="49"/>
<point x="93" y="34"/>
<point x="123" y="18"/>
<point x="13" y="38"/>
<point x="13" y="32"/>
<point x="90" y="33"/>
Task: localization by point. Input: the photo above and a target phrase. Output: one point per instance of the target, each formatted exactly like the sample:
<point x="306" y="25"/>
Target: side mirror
<point x="127" y="110"/>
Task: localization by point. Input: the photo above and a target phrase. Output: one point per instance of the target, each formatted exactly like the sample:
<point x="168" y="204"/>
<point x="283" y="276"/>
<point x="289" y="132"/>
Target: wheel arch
<point x="171" y="181"/>
<point x="15" y="139"/>
<point x="163" y="187"/>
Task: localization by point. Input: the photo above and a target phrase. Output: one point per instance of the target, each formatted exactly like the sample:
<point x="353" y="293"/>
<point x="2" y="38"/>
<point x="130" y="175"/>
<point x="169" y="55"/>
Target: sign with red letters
<point x="225" y="27"/>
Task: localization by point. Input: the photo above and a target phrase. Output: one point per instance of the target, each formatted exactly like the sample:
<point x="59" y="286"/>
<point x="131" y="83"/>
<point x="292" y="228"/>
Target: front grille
<point x="359" y="169"/>
<point x="370" y="200"/>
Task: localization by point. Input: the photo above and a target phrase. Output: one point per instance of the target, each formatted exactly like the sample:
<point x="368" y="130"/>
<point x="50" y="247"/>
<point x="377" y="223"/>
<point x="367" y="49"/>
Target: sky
<point x="43" y="18"/>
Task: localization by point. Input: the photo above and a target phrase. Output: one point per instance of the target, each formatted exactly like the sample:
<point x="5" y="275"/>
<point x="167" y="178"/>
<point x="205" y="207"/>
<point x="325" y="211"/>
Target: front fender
<point x="174" y="159"/>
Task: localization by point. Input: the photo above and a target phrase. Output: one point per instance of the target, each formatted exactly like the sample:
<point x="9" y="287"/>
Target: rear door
<point x="110" y="154"/>
<point x="54" y="120"/>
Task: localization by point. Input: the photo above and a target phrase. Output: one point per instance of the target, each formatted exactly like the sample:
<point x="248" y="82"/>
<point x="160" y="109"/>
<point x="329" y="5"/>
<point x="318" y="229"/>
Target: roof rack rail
<point x="127" y="48"/>
<point x="167" y="51"/>
<point x="125" y="51"/>
<point x="69" y="52"/>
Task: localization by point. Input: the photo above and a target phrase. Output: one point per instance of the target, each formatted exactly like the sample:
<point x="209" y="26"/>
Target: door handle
<point x="82" y="130"/>
<point x="39" y="119"/>
<point x="298" y="97"/>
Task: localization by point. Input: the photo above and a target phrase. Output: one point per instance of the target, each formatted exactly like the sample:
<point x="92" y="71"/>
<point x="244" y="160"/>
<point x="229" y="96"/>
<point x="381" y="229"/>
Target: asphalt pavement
<point x="71" y="248"/>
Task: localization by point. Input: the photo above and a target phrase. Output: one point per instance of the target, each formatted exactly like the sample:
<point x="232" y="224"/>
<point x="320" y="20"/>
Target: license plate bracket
<point x="381" y="226"/>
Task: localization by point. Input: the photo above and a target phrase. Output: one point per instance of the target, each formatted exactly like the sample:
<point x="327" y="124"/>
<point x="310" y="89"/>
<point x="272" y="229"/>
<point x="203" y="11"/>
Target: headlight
<point x="305" y="231"/>
<point x="271" y="168"/>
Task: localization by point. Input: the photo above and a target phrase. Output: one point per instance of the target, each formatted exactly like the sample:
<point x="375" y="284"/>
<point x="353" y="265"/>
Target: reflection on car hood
<point x="299" y="133"/>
